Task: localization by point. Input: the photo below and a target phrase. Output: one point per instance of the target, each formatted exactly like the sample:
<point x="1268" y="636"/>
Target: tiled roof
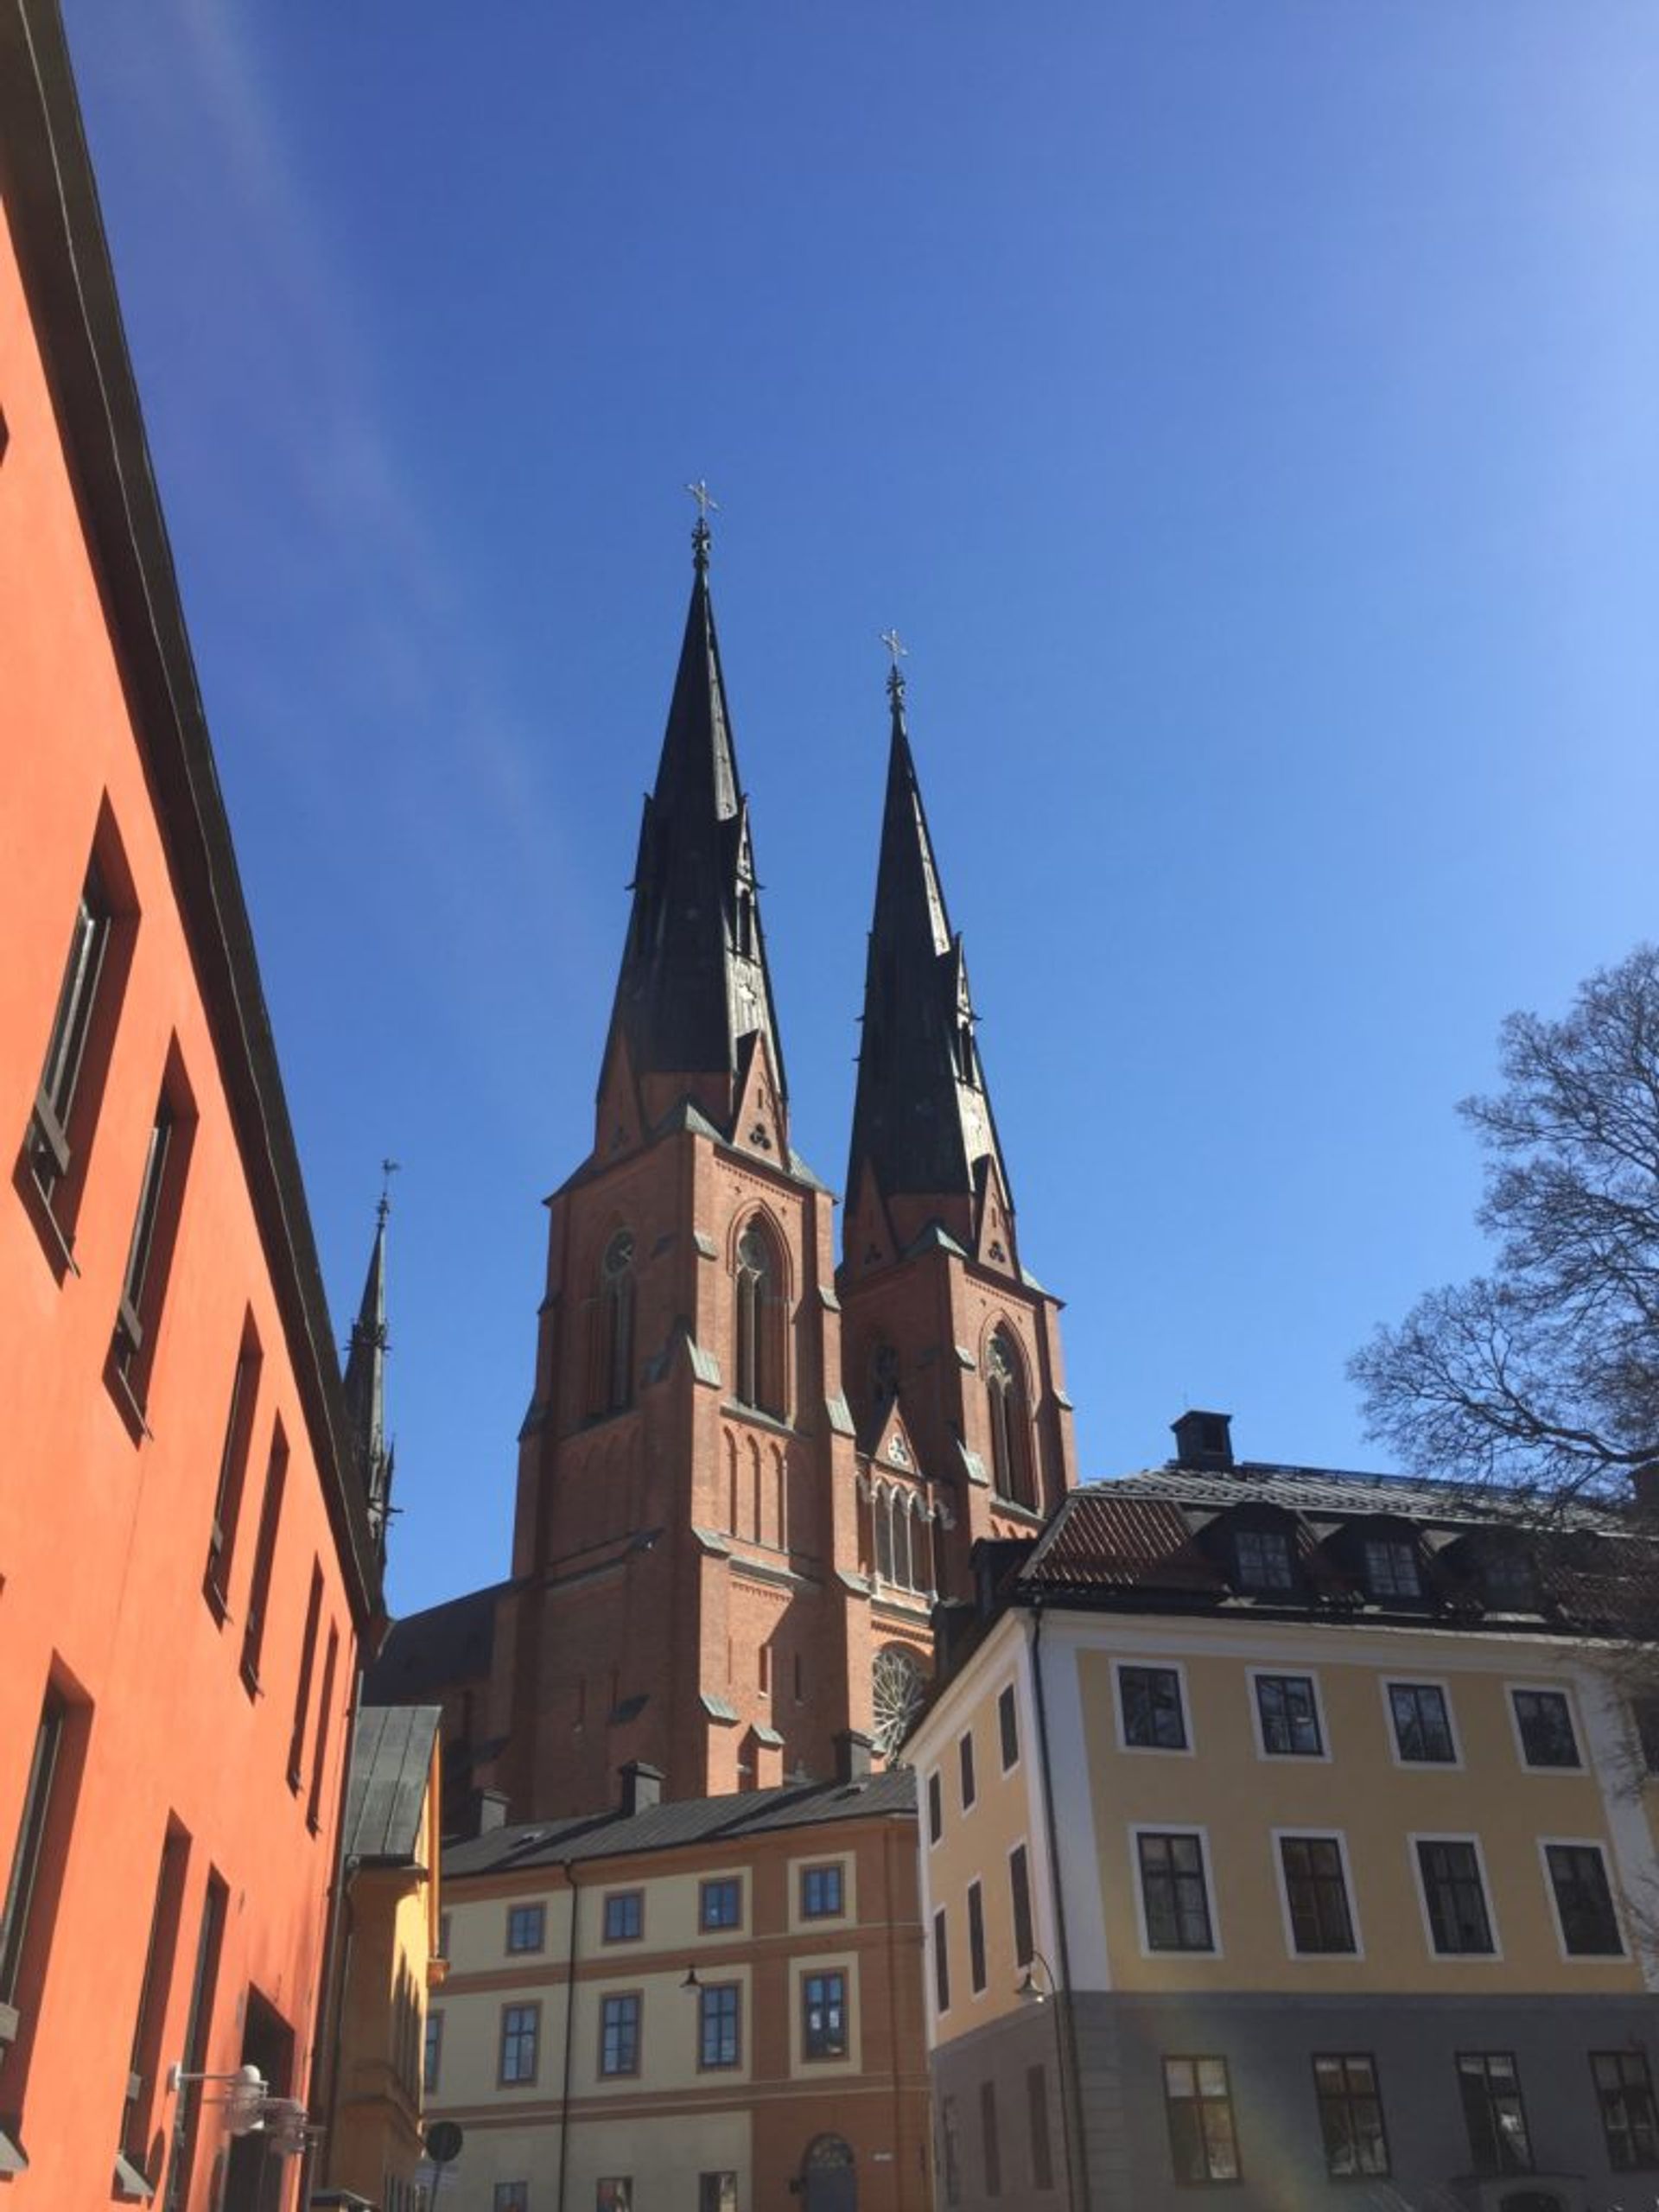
<point x="392" y="1757"/>
<point x="1336" y="1490"/>
<point x="1131" y="1540"/>
<point x="682" y="1822"/>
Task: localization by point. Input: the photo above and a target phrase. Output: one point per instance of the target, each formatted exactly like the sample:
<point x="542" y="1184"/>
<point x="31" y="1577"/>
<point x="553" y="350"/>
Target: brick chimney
<point x="1205" y="1440"/>
<point x="854" y="1752"/>
<point x="642" y="1786"/>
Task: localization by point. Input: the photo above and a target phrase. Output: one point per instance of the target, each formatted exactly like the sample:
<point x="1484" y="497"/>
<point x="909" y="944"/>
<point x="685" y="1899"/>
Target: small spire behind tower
<point x="366" y="1375"/>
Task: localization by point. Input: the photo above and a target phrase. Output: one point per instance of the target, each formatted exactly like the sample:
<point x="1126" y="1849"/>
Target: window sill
<point x="129" y="2185"/>
<point x="779" y="1424"/>
<point x="250" y="1674"/>
<point x="128" y="1403"/>
<point x="56" y="1241"/>
<point x="218" y="1603"/>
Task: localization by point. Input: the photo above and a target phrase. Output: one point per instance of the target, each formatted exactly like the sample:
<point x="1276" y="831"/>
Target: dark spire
<point x="694" y="987"/>
<point x="922" y="1123"/>
<point x="366" y="1377"/>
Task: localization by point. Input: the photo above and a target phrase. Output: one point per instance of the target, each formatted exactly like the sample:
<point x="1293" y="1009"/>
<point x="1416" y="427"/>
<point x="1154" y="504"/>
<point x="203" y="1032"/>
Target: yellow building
<point x="389" y="1957"/>
<point x="1307" y="1800"/>
<point x="747" y="2015"/>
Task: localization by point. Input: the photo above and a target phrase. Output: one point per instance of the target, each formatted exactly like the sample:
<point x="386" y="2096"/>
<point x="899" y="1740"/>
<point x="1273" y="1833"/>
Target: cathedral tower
<point x="949" y="1344"/>
<point x="684" y="1591"/>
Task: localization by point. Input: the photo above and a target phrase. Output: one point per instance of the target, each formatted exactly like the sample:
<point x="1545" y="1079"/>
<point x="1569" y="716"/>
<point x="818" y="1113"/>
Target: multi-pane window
<point x="1350" y="2115"/>
<point x="31" y="1836"/>
<point x="526" y="1927"/>
<point x="1037" y="2135"/>
<point x="302" y="1686"/>
<point x="990" y="2140"/>
<point x="320" y="1747"/>
<point x="822" y="1893"/>
<point x="1008" y="1727"/>
<point x="232" y="1467"/>
<point x="720" y="1903"/>
<point x="1583" y="1902"/>
<point x="618" y="2032"/>
<point x="1289" y="1715"/>
<point x="719" y="2024"/>
<point x="975" y="1936"/>
<point x="1199" y="2105"/>
<point x="1150" y="1700"/>
<point x="1422" y="1723"/>
<point x="717" y="2192"/>
<point x="432" y="2056"/>
<point x="950" y="2151"/>
<point x="1316" y="1894"/>
<point x="1624" y="2092"/>
<point x="510" y="2197"/>
<point x="50" y="1153"/>
<point x="824" y="2015"/>
<point x="941" y="1962"/>
<point x="1493" y="2113"/>
<point x="625" y="1917"/>
<point x="1543" y="1720"/>
<point x="143" y="1285"/>
<point x="1261" y="1557"/>
<point x="265" y="1559"/>
<point x="1173" y="1891"/>
<point x="935" y="1806"/>
<point x="1020" y="1905"/>
<point x="1391" y="1568"/>
<point x="1507" y="1579"/>
<point x="1455" y="1895"/>
<point x="965" y="1772"/>
<point x="613" y="2193"/>
<point x="145" y="2062"/>
<point x="521" y="2028"/>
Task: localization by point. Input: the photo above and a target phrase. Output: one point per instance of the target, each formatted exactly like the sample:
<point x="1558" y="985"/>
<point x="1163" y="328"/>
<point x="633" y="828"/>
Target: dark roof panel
<point x="391" y="1758"/>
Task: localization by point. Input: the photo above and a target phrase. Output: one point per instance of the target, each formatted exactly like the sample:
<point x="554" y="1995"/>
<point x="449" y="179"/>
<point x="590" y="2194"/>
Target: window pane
<point x="1152" y="1719"/>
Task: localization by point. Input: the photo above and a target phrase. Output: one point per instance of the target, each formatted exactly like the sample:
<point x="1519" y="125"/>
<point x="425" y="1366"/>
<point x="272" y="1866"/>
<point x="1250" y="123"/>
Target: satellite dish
<point x="443" y="2142"/>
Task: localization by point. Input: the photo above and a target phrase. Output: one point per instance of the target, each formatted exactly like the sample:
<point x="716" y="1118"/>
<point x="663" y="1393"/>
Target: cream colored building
<point x="721" y="1996"/>
<point x="1305" y="1802"/>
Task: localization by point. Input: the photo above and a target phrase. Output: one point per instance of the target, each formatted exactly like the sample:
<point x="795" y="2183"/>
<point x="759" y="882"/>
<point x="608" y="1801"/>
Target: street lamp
<point x="1030" y="1991"/>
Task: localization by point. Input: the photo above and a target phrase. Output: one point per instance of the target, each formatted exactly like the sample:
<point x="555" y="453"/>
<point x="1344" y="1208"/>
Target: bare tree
<point x="1544" y="1373"/>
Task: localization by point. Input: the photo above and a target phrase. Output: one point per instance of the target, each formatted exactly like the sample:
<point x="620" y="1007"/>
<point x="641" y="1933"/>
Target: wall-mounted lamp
<point x="690" y="1981"/>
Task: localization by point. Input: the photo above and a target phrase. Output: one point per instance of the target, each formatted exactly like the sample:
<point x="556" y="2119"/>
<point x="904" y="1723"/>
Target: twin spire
<point x="694" y="1005"/>
<point x="364" y="1383"/>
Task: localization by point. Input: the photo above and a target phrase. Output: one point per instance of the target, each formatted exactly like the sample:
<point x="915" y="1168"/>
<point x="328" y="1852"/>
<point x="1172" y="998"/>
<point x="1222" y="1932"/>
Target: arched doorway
<point x="828" y="2177"/>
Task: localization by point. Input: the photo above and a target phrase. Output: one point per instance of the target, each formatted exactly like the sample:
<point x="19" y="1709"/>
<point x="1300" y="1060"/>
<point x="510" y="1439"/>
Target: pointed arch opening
<point x="611" y="1362"/>
<point x="1005" y="1394"/>
<point x="759" y="1321"/>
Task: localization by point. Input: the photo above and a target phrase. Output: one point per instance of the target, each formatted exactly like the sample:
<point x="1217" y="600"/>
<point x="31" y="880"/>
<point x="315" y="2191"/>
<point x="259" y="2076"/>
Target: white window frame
<point x="1137" y="1829"/>
<point x="1547" y="1689"/>
<point x="1153" y="1665"/>
<point x="1322" y="1756"/>
<point x="1306" y="1834"/>
<point x="1405" y="1680"/>
<point x="1494" y="1956"/>
<point x="1600" y="1844"/>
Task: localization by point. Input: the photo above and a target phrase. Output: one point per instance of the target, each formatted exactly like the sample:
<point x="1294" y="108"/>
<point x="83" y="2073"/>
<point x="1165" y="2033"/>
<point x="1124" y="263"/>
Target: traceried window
<point x="896" y="1688"/>
<point x="1010" y="1441"/>
<point x="611" y="1389"/>
<point x="759" y="1338"/>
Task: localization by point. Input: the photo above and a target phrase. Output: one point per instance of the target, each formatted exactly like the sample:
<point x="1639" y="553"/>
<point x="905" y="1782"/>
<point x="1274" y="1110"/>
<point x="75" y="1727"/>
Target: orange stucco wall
<point x="103" y="1533"/>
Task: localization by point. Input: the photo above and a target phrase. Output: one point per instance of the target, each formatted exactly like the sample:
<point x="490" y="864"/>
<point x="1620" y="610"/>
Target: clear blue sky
<point x="1248" y="414"/>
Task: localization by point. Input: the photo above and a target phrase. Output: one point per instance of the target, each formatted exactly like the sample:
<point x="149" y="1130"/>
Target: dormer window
<point x="1507" y="1580"/>
<point x="1261" y="1557"/>
<point x="1391" y="1568"/>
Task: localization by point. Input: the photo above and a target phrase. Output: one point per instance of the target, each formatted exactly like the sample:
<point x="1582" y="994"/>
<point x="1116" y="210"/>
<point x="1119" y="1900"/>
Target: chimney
<point x="853" y="1753"/>
<point x="1205" y="1440"/>
<point x="642" y="1787"/>
<point x="489" y="1810"/>
<point x="1644" y="1484"/>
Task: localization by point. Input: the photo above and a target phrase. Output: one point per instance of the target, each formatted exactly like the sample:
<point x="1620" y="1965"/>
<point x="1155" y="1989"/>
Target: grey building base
<point x="1119" y="2133"/>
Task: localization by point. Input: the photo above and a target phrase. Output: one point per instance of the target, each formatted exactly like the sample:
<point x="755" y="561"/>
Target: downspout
<point x="570" y="2025"/>
<point x="1070" y="2101"/>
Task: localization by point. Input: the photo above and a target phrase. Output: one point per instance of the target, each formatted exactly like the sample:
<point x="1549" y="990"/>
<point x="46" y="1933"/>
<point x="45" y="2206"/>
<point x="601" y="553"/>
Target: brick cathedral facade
<point x="746" y="1473"/>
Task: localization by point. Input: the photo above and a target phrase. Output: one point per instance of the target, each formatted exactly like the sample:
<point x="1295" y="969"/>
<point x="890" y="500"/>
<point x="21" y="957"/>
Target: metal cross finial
<point x="898" y="649"/>
<point x="705" y="499"/>
<point x="388" y="1169"/>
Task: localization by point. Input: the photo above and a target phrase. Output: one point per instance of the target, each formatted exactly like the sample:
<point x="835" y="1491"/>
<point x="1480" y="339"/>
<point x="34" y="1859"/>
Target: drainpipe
<point x="1071" y="2096"/>
<point x="569" y="1865"/>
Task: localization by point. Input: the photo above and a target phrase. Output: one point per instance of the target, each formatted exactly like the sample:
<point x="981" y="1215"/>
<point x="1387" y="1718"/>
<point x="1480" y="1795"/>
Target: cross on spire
<point x="898" y="649"/>
<point x="707" y="505"/>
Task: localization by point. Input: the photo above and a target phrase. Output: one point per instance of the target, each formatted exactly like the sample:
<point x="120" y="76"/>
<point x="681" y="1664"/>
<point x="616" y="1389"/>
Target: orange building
<point x="188" y="1563"/>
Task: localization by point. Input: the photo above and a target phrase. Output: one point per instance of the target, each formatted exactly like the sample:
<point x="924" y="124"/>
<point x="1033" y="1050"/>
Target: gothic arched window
<point x="759" y="1334"/>
<point x="903" y="1573"/>
<point x="881" y="1518"/>
<point x="897" y="1685"/>
<point x="613" y="1366"/>
<point x="1010" y="1438"/>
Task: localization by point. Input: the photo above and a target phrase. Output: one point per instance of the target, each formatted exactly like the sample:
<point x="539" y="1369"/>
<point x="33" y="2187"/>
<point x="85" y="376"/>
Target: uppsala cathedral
<point x="747" y="1474"/>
